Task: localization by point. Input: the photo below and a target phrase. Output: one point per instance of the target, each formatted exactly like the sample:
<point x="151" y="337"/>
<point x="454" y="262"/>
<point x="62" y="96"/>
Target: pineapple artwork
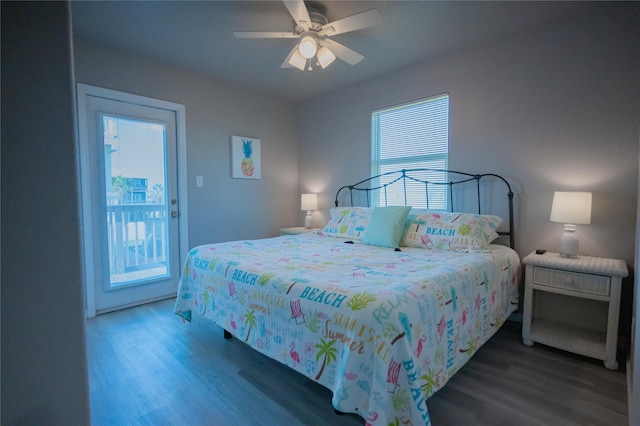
<point x="247" y="161"/>
<point x="245" y="157"/>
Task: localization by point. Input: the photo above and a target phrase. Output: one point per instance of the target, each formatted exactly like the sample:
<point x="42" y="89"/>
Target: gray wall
<point x="555" y="108"/>
<point x="552" y="108"/>
<point x="44" y="374"/>
<point x="225" y="208"/>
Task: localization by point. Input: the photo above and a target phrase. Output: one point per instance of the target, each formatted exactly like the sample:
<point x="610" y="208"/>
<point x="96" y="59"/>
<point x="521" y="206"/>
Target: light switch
<point x="199" y="181"/>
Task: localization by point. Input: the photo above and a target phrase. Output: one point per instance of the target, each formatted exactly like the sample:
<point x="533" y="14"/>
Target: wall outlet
<point x="199" y="181"/>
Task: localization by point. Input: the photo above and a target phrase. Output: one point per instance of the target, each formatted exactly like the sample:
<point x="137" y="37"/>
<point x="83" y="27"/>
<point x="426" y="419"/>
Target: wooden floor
<point x="148" y="368"/>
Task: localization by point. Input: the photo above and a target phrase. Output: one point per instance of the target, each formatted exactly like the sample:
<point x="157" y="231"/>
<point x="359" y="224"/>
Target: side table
<point x="573" y="304"/>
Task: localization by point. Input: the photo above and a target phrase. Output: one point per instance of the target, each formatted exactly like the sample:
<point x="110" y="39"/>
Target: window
<point x="410" y="136"/>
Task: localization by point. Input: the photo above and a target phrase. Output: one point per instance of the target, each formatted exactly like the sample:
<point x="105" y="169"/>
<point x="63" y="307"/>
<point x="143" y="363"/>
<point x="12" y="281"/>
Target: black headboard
<point x="416" y="176"/>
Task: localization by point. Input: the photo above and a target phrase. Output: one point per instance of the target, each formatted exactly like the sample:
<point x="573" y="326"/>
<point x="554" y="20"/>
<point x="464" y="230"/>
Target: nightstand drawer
<point x="584" y="283"/>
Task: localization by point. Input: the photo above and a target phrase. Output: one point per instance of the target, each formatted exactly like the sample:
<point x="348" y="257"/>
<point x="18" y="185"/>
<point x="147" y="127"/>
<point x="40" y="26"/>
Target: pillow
<point x="386" y="226"/>
<point x="347" y="222"/>
<point x="450" y="231"/>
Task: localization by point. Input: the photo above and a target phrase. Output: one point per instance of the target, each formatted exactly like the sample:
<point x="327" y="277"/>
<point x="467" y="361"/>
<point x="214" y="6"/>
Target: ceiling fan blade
<point x="263" y="34"/>
<point x="286" y="63"/>
<point x="368" y="18"/>
<point x="341" y="51"/>
<point x="298" y="12"/>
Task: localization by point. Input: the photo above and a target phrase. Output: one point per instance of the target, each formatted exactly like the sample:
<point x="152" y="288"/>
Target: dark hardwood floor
<point x="148" y="368"/>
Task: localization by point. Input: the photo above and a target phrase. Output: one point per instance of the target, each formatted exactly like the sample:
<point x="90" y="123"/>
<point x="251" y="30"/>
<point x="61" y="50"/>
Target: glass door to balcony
<point x="133" y="201"/>
<point x="138" y="209"/>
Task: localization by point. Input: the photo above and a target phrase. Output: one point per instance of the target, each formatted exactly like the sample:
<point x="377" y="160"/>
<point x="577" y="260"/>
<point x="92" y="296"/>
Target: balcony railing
<point x="138" y="241"/>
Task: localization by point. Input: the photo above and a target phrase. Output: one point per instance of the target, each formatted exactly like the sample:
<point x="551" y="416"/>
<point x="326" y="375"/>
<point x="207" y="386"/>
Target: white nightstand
<point x="297" y="230"/>
<point x="573" y="304"/>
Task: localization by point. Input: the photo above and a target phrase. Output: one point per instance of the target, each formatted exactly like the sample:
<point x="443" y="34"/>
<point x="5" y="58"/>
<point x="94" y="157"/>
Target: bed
<point x="382" y="306"/>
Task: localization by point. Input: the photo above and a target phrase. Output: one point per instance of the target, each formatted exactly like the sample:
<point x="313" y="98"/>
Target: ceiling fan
<point x="314" y="30"/>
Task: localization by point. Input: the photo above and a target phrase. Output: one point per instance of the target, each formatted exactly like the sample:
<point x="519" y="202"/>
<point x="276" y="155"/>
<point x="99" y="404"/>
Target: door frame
<point x="83" y="91"/>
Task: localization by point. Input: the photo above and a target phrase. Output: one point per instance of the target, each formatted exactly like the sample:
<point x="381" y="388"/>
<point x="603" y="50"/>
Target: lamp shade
<point x="309" y="202"/>
<point x="297" y="60"/>
<point x="571" y="207"/>
<point x="325" y="57"/>
<point x="308" y="46"/>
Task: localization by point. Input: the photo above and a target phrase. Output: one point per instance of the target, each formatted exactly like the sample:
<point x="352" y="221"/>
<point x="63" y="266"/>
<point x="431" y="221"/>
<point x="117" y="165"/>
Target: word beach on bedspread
<point x="382" y="329"/>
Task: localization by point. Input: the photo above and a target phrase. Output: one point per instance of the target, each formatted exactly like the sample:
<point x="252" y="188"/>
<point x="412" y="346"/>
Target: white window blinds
<point x="410" y="136"/>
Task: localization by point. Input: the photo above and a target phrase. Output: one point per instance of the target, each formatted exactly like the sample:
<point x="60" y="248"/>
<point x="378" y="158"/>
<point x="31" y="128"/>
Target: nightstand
<point x="573" y="304"/>
<point x="297" y="230"/>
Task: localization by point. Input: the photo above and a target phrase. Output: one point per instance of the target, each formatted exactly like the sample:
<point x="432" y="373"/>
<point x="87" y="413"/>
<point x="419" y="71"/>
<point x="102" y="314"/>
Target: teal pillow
<point x="386" y="226"/>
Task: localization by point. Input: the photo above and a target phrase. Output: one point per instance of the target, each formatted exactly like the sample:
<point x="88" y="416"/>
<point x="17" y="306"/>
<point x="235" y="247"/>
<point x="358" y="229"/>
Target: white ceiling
<point x="199" y="36"/>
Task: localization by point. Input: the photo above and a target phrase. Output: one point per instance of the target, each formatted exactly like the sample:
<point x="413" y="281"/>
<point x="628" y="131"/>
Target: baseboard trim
<point x="131" y="305"/>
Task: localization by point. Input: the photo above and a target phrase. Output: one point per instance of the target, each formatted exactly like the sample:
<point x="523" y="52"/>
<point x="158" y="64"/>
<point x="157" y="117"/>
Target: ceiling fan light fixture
<point x="325" y="57"/>
<point x="313" y="30"/>
<point x="297" y="60"/>
<point x="308" y="46"/>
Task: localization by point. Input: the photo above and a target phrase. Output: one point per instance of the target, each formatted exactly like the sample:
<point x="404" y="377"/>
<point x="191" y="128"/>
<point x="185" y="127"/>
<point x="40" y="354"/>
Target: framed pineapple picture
<point x="245" y="157"/>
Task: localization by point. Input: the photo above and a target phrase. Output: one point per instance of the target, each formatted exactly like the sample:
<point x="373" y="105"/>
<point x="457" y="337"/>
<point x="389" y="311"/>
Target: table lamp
<point x="309" y="202"/>
<point x="571" y="208"/>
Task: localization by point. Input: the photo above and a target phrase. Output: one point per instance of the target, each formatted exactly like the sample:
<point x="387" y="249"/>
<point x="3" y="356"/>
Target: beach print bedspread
<point x="382" y="329"/>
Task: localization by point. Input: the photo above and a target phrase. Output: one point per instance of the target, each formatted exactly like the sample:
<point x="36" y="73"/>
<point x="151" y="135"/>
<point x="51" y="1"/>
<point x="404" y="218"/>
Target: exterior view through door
<point x="131" y="203"/>
<point x="136" y="200"/>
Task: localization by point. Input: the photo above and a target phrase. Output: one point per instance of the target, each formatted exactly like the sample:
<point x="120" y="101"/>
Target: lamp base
<point x="308" y="220"/>
<point x="569" y="242"/>
<point x="569" y="256"/>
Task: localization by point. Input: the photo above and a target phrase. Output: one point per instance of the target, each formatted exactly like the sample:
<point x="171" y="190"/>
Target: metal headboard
<point x="454" y="178"/>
